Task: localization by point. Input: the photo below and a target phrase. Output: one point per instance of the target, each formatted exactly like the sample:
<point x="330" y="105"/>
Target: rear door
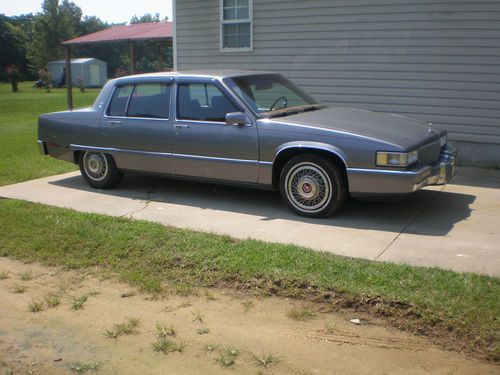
<point x="138" y="127"/>
<point x="204" y="145"/>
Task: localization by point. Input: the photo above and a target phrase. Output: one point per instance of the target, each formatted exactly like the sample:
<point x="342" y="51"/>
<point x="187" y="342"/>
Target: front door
<point x="138" y="128"/>
<point x="204" y="145"/>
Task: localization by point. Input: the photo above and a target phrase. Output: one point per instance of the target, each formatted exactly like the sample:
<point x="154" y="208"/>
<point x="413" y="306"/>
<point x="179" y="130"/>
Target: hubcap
<point x="308" y="187"/>
<point x="95" y="165"/>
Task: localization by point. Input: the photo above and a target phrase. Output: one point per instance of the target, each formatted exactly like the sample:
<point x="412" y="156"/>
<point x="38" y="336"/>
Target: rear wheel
<point x="99" y="170"/>
<point x="312" y="186"/>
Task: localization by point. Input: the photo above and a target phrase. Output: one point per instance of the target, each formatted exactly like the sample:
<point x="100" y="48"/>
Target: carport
<point x="156" y="32"/>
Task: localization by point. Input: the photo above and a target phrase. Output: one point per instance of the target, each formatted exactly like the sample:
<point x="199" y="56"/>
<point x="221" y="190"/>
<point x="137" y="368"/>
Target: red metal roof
<point x="137" y="31"/>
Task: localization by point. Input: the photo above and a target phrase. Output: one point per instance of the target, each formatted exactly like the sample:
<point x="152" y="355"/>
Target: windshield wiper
<point x="294" y="110"/>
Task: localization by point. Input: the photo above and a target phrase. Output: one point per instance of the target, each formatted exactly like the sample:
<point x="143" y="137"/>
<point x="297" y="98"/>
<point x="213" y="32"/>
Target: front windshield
<point x="268" y="93"/>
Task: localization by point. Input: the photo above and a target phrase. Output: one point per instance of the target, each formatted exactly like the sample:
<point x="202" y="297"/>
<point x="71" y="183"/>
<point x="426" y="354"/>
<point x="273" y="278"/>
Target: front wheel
<point x="99" y="170"/>
<point x="312" y="186"/>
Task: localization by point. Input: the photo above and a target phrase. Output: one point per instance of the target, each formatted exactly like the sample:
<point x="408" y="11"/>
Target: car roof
<point x="206" y="73"/>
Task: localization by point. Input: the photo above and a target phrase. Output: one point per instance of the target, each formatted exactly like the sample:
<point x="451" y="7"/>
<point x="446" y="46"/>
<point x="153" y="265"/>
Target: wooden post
<point x="161" y="57"/>
<point x="69" y="88"/>
<point x="132" y="56"/>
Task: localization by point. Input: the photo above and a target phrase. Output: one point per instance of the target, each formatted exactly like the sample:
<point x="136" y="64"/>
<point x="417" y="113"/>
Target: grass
<point x="228" y="357"/>
<point x="203" y="331"/>
<point x="4" y="275"/>
<point x="266" y="360"/>
<point x="166" y="345"/>
<point x="35" y="306"/>
<point x="52" y="300"/>
<point x="19" y="156"/>
<point x="197" y="317"/>
<point x="162" y="331"/>
<point x="459" y="309"/>
<point x="247" y="305"/>
<point x="84" y="368"/>
<point x="301" y="314"/>
<point x="123" y="329"/>
<point x="26" y="275"/>
<point x="18" y="289"/>
<point x="78" y="302"/>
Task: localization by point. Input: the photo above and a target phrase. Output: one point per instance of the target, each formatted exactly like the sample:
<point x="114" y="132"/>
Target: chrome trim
<point x="266" y="162"/>
<point x="163" y="154"/>
<point x="41" y="148"/>
<point x="200" y="121"/>
<point x="310" y="147"/>
<point x="385" y="171"/>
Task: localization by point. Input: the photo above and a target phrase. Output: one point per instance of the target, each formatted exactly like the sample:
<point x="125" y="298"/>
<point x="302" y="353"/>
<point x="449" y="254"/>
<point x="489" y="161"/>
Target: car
<point x="247" y="128"/>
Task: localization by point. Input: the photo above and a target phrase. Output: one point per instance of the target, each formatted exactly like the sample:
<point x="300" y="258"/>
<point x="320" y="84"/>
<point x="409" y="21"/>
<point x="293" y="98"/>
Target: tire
<point x="312" y="186"/>
<point x="99" y="170"/>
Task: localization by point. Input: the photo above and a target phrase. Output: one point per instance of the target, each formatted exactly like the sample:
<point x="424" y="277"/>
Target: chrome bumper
<point x="42" y="148"/>
<point x="381" y="181"/>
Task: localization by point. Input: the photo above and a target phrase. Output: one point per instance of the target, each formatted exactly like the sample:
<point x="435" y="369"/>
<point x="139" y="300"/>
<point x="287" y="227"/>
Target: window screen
<point x="150" y="100"/>
<point x="118" y="104"/>
<point x="203" y="102"/>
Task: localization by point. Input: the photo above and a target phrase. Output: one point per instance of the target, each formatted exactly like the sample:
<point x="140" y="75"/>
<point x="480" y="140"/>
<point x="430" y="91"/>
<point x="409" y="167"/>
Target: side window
<point x="118" y="104"/>
<point x="151" y="100"/>
<point x="202" y="102"/>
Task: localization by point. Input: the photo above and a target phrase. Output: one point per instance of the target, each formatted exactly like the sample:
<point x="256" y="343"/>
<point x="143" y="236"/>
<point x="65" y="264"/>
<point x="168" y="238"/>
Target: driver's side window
<point x="202" y="102"/>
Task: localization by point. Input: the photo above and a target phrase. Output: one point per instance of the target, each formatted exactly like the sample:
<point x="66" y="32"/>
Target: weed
<point x="203" y="331"/>
<point x="79" y="302"/>
<point x="210" y="296"/>
<point x="301" y="314"/>
<point x="197" y="317"/>
<point x="184" y="289"/>
<point x="162" y="331"/>
<point x="4" y="275"/>
<point x="228" y="357"/>
<point x="18" y="289"/>
<point x="26" y="275"/>
<point x="266" y="360"/>
<point x="166" y="345"/>
<point x="123" y="329"/>
<point x="52" y="300"/>
<point x="247" y="305"/>
<point x="211" y="348"/>
<point x="35" y="306"/>
<point x="84" y="368"/>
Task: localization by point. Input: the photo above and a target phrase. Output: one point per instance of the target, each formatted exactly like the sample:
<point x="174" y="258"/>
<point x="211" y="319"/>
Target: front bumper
<point x="42" y="148"/>
<point x="381" y="181"/>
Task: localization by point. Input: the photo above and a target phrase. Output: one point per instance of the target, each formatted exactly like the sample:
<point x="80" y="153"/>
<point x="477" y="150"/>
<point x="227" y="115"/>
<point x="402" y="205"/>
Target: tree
<point x="57" y="22"/>
<point x="147" y="18"/>
<point x="13" y="40"/>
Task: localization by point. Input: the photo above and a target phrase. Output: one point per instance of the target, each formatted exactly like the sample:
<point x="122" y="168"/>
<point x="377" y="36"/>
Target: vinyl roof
<point x="122" y="33"/>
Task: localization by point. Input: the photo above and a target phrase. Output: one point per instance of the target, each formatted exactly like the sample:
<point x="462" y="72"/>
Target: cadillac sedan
<point x="247" y="128"/>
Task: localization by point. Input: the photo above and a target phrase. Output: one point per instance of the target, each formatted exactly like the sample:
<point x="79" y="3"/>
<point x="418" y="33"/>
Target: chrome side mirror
<point x="238" y="119"/>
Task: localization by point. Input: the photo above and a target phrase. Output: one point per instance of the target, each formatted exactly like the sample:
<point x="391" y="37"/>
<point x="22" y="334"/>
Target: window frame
<point x="223" y="22"/>
<point x="134" y="84"/>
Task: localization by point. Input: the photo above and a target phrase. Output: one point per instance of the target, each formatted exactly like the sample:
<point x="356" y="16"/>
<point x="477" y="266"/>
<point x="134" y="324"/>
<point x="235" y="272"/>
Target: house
<point x="434" y="60"/>
<point x="91" y="72"/>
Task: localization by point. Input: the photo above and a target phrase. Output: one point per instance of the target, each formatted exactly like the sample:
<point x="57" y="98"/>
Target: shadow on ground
<point x="388" y="215"/>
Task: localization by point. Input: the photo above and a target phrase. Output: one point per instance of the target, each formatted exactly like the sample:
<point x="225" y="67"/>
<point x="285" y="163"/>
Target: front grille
<point x="429" y="153"/>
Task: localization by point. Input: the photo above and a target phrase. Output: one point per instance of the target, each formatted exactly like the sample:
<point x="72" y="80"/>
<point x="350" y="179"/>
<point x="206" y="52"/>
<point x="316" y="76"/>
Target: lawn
<point x="19" y="156"/>
<point x="458" y="309"/>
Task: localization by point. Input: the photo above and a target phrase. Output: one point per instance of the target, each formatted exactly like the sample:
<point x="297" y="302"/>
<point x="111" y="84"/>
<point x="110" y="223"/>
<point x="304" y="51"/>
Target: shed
<point x="92" y="71"/>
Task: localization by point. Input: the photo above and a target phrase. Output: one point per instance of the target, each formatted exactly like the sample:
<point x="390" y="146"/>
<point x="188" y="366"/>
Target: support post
<point x="132" y="56"/>
<point x="161" y="56"/>
<point x="69" y="88"/>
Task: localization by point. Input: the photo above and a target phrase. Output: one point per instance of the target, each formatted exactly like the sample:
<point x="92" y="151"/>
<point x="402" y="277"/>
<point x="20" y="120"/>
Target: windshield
<point x="270" y="94"/>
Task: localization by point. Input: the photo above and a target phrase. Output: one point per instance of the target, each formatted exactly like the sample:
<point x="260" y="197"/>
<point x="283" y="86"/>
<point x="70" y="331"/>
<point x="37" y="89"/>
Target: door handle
<point x="114" y="122"/>
<point x="181" y="126"/>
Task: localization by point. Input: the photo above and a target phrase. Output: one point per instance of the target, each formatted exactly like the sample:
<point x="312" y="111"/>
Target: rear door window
<point x="118" y="104"/>
<point x="150" y="100"/>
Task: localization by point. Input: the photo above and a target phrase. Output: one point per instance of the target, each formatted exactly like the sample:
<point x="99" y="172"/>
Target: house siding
<point x="437" y="60"/>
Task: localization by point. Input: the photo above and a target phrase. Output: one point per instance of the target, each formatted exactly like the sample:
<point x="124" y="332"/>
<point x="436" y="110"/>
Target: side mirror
<point x="237" y="119"/>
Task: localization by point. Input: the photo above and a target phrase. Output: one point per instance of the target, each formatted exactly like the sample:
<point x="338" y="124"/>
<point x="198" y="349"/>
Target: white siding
<point x="438" y="60"/>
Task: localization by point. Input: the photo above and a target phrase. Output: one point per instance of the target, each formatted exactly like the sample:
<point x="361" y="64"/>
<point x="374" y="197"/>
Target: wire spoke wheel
<point x="95" y="165"/>
<point x="308" y="187"/>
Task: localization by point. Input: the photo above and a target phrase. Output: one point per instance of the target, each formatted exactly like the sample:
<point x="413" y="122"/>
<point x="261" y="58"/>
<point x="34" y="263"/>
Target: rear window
<point x="146" y="100"/>
<point x="118" y="104"/>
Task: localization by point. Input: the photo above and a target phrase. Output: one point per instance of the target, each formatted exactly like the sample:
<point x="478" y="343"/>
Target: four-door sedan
<point x="248" y="128"/>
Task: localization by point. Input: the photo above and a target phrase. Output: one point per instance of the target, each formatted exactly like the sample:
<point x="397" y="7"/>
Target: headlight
<point x="396" y="159"/>
<point x="443" y="140"/>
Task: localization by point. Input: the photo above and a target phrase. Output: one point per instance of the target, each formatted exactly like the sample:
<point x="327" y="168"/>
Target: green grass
<point x="19" y="156"/>
<point x="459" y="308"/>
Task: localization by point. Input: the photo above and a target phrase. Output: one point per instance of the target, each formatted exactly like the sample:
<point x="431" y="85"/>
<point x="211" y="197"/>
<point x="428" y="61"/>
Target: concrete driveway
<point x="456" y="227"/>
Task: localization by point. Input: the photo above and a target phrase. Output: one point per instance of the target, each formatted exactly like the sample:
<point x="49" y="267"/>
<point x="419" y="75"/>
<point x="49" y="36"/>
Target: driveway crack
<point x="147" y="201"/>
<point x="419" y="213"/>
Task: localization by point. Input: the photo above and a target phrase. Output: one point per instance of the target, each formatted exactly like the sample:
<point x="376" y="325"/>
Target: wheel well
<point x="76" y="156"/>
<point x="284" y="156"/>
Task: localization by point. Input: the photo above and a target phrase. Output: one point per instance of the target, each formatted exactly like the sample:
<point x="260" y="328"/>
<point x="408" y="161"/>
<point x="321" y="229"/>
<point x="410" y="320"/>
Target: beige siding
<point x="438" y="60"/>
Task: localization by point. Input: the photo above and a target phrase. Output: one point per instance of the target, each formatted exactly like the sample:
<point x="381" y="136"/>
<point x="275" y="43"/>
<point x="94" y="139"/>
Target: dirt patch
<point x="215" y="326"/>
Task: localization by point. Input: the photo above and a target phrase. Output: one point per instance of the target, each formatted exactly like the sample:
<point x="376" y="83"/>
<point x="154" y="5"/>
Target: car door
<point x="205" y="145"/>
<point x="138" y="127"/>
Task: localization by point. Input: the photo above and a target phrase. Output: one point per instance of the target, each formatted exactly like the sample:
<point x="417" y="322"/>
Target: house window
<point x="236" y="25"/>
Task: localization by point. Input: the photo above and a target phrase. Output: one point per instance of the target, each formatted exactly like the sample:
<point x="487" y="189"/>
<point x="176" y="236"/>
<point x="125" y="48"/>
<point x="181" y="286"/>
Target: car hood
<point x="395" y="129"/>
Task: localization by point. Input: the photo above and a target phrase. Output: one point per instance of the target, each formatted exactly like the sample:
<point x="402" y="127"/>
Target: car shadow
<point x="389" y="215"/>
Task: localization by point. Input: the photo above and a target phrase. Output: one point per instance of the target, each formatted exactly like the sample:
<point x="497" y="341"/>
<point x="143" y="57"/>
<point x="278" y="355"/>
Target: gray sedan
<point x="247" y="128"/>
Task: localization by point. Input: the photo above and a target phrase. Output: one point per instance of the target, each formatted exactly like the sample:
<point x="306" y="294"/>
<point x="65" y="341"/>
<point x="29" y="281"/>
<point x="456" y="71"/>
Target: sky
<point x="112" y="11"/>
